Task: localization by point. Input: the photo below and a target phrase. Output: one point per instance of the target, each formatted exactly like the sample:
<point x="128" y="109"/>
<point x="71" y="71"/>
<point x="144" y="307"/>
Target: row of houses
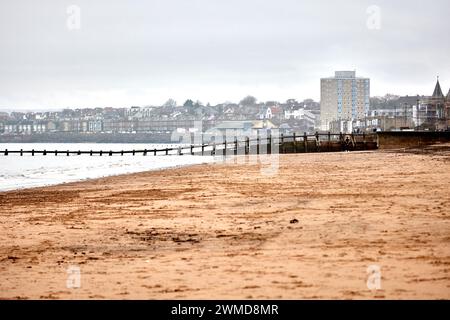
<point x="409" y="113"/>
<point x="94" y="126"/>
<point x="37" y="127"/>
<point x="148" y="119"/>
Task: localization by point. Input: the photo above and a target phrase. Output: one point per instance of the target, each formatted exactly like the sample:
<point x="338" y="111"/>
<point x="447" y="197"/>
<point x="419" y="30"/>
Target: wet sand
<point x="227" y="231"/>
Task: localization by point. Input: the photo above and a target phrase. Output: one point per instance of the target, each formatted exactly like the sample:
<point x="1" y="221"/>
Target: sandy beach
<point x="228" y="231"/>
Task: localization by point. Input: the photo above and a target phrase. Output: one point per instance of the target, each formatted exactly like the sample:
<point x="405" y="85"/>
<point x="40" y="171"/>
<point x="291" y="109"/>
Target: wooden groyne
<point x="268" y="144"/>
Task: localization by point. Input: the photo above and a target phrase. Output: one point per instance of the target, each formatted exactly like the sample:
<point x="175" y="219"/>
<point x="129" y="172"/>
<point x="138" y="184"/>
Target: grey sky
<point x="144" y="52"/>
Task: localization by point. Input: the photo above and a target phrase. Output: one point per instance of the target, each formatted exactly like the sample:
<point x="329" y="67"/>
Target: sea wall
<point x="410" y="139"/>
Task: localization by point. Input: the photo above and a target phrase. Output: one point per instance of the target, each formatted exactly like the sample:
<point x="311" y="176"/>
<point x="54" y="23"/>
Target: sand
<point x="231" y="231"/>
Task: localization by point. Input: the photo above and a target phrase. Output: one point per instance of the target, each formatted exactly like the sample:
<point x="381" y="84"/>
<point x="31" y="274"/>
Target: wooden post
<point x="32" y="152"/>
<point x="110" y="153"/>
<point x="21" y="152"/>
<point x="154" y="152"/>
<point x="121" y="153"/>
<point x="134" y="152"/>
<point x="213" y="151"/>
<point x="56" y="152"/>
<point x="203" y="143"/>
<point x="295" y="142"/>
<point x="79" y="152"/>
<point x="6" y="152"/>
<point x="44" y="153"/>
<point x="101" y="153"/>
<point x="341" y="140"/>
<point x="305" y="141"/>
<point x="167" y="151"/>
<point x="269" y="143"/>
<point x="192" y="150"/>
<point x="247" y="145"/>
<point x="90" y="153"/>
<point x="258" y="141"/>
<point x="145" y="152"/>
<point x="317" y="142"/>
<point x="329" y="141"/>
<point x="67" y="152"/>
<point x="224" y="139"/>
<point x="235" y="146"/>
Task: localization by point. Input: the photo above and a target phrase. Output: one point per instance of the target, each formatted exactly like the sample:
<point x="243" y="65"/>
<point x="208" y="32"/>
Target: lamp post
<point x="405" y="114"/>
<point x="418" y="113"/>
<point x="365" y="121"/>
<point x="395" y="117"/>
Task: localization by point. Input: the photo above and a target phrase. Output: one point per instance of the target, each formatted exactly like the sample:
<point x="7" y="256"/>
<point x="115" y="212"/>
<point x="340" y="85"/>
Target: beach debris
<point x="186" y="238"/>
<point x="293" y="221"/>
<point x="158" y="235"/>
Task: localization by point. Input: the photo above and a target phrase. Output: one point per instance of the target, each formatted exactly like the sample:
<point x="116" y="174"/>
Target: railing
<point x="293" y="143"/>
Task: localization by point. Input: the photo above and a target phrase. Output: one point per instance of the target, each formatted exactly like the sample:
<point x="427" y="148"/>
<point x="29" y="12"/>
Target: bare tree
<point x="170" y="103"/>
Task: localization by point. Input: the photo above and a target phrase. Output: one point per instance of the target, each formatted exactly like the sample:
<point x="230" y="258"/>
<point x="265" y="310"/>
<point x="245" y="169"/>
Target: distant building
<point x="168" y="125"/>
<point x="372" y="123"/>
<point x="447" y="109"/>
<point x="343" y="97"/>
<point x="40" y="127"/>
<point x="277" y="113"/>
<point x="300" y="120"/>
<point x="118" y="126"/>
<point x="300" y="114"/>
<point x="432" y="111"/>
<point x="10" y="127"/>
<point x="404" y="113"/>
<point x="25" y="127"/>
<point x="95" y="126"/>
<point x="138" y="112"/>
<point x="265" y="113"/>
<point x="242" y="128"/>
<point x="344" y="126"/>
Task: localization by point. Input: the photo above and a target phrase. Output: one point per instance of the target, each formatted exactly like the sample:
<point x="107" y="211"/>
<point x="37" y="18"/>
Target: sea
<point x="18" y="172"/>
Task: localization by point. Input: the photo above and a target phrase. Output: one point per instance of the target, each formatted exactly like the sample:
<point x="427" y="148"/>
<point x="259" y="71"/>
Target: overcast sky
<point x="143" y="52"/>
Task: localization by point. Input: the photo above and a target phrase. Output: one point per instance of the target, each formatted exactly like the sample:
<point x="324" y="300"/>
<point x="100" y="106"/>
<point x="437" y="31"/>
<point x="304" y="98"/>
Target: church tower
<point x="436" y="109"/>
<point x="447" y="109"/>
<point x="437" y="94"/>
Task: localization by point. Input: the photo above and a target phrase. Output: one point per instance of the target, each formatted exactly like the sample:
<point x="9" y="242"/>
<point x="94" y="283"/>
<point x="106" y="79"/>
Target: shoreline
<point x="168" y="168"/>
<point x="112" y="174"/>
<point x="227" y="231"/>
<point x="63" y="184"/>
